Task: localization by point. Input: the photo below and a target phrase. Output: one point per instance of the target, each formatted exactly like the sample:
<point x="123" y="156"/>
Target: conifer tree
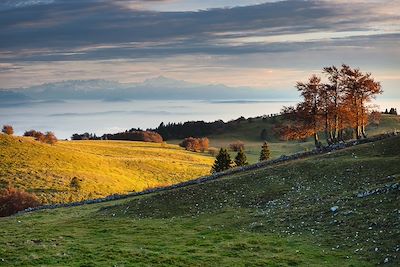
<point x="222" y="162"/>
<point x="241" y="159"/>
<point x="265" y="153"/>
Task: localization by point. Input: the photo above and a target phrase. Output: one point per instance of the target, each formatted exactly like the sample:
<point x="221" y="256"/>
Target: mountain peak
<point x="162" y="81"/>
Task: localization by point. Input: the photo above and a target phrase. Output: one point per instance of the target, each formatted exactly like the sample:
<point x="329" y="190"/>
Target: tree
<point x="265" y="153"/>
<point x="263" y="134"/>
<point x="360" y="88"/>
<point x="195" y="144"/>
<point x="75" y="183"/>
<point x="309" y="109"/>
<point x="236" y="146"/>
<point x="222" y="161"/>
<point x="241" y="159"/>
<point x="8" y="129"/>
<point x="393" y="111"/>
<point x="335" y="107"/>
<point x="13" y="200"/>
<point x="49" y="138"/>
<point x="375" y="118"/>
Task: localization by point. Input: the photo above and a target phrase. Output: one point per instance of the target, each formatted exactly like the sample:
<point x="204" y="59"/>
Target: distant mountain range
<point x="154" y="88"/>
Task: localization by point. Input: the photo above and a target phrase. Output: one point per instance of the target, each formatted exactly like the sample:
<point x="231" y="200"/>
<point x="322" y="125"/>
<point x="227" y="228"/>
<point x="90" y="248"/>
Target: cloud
<point x="71" y="30"/>
<point x="132" y="40"/>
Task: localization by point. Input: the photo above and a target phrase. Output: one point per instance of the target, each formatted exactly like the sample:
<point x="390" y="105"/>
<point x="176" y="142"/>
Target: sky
<point x="252" y="43"/>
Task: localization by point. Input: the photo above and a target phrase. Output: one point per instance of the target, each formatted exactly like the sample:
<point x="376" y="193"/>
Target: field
<point x="338" y="209"/>
<point x="103" y="167"/>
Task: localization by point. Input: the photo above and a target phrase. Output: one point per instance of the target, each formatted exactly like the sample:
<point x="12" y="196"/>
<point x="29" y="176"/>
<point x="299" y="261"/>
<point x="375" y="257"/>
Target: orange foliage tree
<point x="13" y="200"/>
<point x="331" y="107"/>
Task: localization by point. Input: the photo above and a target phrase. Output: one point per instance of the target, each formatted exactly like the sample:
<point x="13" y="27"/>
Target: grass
<point x="104" y="167"/>
<point x="274" y="216"/>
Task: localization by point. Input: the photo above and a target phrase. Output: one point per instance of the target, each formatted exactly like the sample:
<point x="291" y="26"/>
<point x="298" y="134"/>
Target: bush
<point x="237" y="146"/>
<point x="13" y="200"/>
<point x="195" y="144"/>
<point x="75" y="183"/>
<point x="8" y="129"/>
<point x="213" y="151"/>
<point x="36" y="134"/>
<point x="50" y="138"/>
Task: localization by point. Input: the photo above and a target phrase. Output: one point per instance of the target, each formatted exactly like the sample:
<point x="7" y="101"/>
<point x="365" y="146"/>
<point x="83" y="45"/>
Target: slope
<point x="338" y="209"/>
<point x="249" y="131"/>
<point x="103" y="167"/>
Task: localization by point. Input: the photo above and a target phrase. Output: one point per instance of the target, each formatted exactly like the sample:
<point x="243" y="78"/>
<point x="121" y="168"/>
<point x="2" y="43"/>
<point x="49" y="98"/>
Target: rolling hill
<point x="249" y="132"/>
<point x="103" y="167"/>
<point x="336" y="209"/>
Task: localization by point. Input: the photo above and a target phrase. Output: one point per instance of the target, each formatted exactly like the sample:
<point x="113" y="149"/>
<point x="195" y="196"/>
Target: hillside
<point x="249" y="133"/>
<point x="337" y="209"/>
<point x="104" y="167"/>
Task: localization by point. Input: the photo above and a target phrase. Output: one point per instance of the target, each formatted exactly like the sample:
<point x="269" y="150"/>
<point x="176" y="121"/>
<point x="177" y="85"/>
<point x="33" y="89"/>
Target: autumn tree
<point x="309" y="109"/>
<point x="265" y="154"/>
<point x="8" y="129"/>
<point x="333" y="107"/>
<point x="195" y="144"/>
<point x="14" y="200"/>
<point x="222" y="161"/>
<point x="360" y="88"/>
<point x="236" y="146"/>
<point x="241" y="159"/>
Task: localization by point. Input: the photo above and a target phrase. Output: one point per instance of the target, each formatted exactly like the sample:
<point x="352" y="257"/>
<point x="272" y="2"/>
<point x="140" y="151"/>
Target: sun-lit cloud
<point x="263" y="44"/>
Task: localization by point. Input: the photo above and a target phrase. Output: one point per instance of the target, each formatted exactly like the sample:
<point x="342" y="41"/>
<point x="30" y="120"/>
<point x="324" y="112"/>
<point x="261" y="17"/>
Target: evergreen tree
<point x="241" y="159"/>
<point x="265" y="153"/>
<point x="222" y="162"/>
<point x="263" y="135"/>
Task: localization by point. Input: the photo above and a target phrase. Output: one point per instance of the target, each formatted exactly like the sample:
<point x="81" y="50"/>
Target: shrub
<point x="8" y="129"/>
<point x="36" y="134"/>
<point x="237" y="146"/>
<point x="195" y="144"/>
<point x="75" y="183"/>
<point x="213" y="151"/>
<point x="13" y="200"/>
<point x="50" y="138"/>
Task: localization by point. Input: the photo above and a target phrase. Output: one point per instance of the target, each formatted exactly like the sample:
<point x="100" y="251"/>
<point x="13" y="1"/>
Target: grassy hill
<point x="249" y="132"/>
<point x="337" y="209"/>
<point x="104" y="167"/>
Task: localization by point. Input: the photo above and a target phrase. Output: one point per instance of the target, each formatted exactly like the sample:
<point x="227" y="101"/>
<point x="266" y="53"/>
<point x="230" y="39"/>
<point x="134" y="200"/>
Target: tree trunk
<point x="316" y="140"/>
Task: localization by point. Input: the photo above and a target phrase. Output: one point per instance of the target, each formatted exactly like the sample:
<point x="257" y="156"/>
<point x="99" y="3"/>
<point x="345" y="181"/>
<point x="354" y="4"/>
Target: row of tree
<point x="392" y="111"/>
<point x="47" y="137"/>
<point x="331" y="107"/>
<point x="224" y="162"/>
<point x="131" y="135"/>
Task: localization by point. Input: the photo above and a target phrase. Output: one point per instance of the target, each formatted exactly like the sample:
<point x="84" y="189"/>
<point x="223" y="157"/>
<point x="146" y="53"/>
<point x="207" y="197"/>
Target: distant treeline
<point x="392" y="111"/>
<point x="131" y="135"/>
<point x="199" y="129"/>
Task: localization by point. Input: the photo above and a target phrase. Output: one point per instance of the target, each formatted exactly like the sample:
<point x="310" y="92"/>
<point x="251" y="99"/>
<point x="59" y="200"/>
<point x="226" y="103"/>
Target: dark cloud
<point x="88" y="29"/>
